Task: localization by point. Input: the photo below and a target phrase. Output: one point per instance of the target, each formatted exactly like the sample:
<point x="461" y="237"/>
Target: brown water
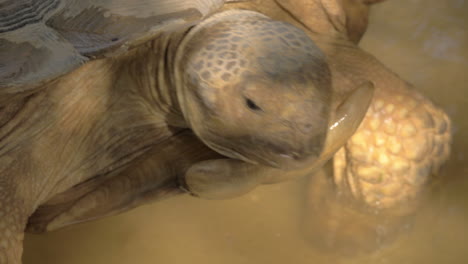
<point x="425" y="42"/>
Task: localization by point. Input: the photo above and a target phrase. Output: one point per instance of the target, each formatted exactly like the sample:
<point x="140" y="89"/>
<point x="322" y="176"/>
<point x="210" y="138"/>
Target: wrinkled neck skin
<point x="92" y="122"/>
<point x="178" y="68"/>
<point x="153" y="72"/>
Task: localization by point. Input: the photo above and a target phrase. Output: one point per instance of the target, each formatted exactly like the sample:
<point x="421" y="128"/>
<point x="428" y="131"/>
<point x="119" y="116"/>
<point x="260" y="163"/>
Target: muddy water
<point x="425" y="42"/>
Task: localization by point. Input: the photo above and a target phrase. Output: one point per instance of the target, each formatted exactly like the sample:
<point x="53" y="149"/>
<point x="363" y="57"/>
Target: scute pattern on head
<point x="231" y="49"/>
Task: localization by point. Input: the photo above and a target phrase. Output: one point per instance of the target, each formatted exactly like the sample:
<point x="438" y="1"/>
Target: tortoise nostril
<point x="252" y="105"/>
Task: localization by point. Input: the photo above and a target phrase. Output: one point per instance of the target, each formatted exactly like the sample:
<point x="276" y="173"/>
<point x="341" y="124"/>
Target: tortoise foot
<point x="399" y="147"/>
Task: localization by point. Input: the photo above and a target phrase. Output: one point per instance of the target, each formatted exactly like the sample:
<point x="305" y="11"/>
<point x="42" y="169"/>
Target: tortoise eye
<point x="252" y="105"/>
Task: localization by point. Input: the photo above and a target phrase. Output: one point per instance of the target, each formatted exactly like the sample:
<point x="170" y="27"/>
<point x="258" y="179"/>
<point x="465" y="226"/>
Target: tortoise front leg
<point x="225" y="178"/>
<point x="151" y="178"/>
<point x="380" y="176"/>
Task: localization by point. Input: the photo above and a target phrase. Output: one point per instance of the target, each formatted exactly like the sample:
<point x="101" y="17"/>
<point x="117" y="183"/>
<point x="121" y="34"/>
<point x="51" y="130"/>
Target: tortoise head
<point x="255" y="89"/>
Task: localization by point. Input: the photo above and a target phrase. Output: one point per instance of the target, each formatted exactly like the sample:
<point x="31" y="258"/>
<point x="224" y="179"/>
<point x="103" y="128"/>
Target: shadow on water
<point x="426" y="43"/>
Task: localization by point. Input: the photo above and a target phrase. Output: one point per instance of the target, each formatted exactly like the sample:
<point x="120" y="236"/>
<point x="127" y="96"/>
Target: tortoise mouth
<point x="290" y="160"/>
<point x="271" y="155"/>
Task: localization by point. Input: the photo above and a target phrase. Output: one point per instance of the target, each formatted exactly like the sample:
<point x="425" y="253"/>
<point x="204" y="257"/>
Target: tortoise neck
<point x="153" y="72"/>
<point x="166" y="47"/>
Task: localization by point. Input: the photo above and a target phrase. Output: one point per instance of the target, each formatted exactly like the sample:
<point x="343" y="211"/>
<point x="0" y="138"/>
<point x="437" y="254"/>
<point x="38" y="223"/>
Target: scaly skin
<point x="402" y="141"/>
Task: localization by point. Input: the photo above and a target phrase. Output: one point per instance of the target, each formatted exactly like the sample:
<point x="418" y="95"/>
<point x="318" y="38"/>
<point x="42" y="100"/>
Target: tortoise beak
<point x="286" y="158"/>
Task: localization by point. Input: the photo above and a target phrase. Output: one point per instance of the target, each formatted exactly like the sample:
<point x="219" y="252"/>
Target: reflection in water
<point x="425" y="42"/>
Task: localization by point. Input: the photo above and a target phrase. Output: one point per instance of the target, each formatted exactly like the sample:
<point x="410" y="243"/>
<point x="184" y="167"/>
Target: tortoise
<point x="110" y="104"/>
